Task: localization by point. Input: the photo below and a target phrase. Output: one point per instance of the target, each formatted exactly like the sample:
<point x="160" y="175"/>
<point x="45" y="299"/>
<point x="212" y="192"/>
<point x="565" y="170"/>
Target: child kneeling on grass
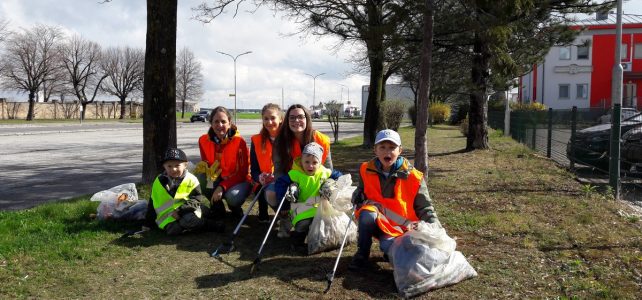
<point x="390" y="197"/>
<point x="176" y="204"/>
<point x="302" y="185"/>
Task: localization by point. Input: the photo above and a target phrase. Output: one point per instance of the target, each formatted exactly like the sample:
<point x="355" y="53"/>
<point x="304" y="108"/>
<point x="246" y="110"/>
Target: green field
<point x="527" y="227"/>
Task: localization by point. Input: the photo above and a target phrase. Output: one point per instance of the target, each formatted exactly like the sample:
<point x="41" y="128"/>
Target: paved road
<point x="47" y="162"/>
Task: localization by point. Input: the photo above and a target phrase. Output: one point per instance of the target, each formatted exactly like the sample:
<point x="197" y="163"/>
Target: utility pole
<point x="314" y="88"/>
<point x="616" y="99"/>
<point x="234" y="58"/>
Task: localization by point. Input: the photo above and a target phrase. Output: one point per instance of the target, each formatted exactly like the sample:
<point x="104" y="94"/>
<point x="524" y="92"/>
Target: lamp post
<point x="314" y="87"/>
<point x="234" y="58"/>
<point x="344" y="86"/>
<point x="616" y="96"/>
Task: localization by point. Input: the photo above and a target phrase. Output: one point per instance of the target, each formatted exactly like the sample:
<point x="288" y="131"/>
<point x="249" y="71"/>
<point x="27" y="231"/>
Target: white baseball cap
<point x="388" y="135"/>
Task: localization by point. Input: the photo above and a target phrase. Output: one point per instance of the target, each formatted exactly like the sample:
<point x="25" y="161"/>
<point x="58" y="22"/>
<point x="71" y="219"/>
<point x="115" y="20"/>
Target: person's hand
<point x="293" y="192"/>
<point x="358" y="198"/>
<point x="217" y="195"/>
<point x="266" y="178"/>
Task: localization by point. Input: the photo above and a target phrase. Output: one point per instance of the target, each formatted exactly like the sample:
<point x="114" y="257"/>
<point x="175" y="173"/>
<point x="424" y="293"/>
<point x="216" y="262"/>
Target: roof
<point x="611" y="20"/>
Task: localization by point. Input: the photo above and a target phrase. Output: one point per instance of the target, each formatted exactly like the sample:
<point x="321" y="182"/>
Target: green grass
<point x="529" y="229"/>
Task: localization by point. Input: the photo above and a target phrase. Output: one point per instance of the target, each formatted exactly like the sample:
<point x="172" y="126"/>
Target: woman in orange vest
<point x="391" y="197"/>
<point x="261" y="167"/>
<point x="226" y="155"/>
<point x="295" y="133"/>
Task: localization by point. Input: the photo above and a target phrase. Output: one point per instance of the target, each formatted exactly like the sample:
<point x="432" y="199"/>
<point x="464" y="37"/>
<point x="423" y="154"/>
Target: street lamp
<point x="616" y="103"/>
<point x="314" y="88"/>
<point x="344" y="86"/>
<point x="234" y="58"/>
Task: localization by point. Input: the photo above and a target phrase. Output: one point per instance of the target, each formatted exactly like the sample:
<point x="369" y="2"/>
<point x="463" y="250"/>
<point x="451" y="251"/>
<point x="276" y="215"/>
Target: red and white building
<point x="580" y="75"/>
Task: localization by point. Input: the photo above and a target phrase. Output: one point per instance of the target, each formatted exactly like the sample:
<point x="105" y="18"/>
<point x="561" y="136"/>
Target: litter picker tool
<point x="134" y="232"/>
<point x="330" y="275"/>
<point x="228" y="246"/>
<point x="257" y="260"/>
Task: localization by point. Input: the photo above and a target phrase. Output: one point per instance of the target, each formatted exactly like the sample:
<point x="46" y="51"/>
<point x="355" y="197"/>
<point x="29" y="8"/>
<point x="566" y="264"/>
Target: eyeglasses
<point x="297" y="117"/>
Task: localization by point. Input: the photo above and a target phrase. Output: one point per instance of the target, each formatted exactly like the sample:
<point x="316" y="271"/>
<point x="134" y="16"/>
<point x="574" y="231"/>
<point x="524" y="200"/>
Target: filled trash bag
<point x="332" y="220"/>
<point x="425" y="259"/>
<point x="120" y="203"/>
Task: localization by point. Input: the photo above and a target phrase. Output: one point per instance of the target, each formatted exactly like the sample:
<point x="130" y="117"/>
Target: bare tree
<point x="81" y="60"/>
<point x="333" y="109"/>
<point x="124" y="68"/>
<point x="189" y="79"/>
<point x="29" y="60"/>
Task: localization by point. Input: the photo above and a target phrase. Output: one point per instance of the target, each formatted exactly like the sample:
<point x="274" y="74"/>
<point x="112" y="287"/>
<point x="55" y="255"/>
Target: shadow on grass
<point x="447" y="153"/>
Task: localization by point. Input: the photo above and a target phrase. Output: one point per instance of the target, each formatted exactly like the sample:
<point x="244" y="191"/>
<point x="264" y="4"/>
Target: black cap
<point x="174" y="154"/>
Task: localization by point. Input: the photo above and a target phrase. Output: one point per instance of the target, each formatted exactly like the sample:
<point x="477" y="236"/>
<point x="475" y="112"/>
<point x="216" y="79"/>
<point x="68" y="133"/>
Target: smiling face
<point x="309" y="163"/>
<point x="387" y="152"/>
<point x="297" y="120"/>
<point x="220" y="124"/>
<point x="271" y="121"/>
<point x="174" y="168"/>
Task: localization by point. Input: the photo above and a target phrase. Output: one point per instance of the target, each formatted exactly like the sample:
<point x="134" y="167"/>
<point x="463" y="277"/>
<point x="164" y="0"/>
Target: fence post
<point x="614" y="163"/>
<point x="573" y="130"/>
<point x="549" y="139"/>
<point x="534" y="137"/>
<point x="507" y="118"/>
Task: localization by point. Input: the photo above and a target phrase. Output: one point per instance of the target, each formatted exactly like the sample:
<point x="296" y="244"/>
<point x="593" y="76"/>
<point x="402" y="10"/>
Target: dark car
<point x="199" y="116"/>
<point x="631" y="150"/>
<point x="591" y="145"/>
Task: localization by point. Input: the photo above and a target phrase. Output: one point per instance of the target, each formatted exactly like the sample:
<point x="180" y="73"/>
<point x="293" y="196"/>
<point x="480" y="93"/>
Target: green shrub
<point x="392" y="112"/>
<point x="533" y="106"/>
<point x="440" y="112"/>
<point x="412" y="112"/>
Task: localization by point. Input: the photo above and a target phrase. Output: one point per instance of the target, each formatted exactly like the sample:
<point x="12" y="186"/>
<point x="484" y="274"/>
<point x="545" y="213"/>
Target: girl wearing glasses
<point x="296" y="132"/>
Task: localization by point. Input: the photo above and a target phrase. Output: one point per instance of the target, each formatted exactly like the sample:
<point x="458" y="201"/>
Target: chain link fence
<point x="579" y="140"/>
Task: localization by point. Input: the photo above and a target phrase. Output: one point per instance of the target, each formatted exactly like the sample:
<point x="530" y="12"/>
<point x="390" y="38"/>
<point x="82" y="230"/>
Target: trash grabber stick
<point x="229" y="245"/>
<point x="134" y="232"/>
<point x="257" y="261"/>
<point x="330" y="276"/>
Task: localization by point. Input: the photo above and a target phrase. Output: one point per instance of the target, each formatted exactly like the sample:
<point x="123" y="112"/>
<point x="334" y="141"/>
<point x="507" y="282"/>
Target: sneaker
<point x="237" y="212"/>
<point x="358" y="263"/>
<point x="284" y="228"/>
<point x="264" y="219"/>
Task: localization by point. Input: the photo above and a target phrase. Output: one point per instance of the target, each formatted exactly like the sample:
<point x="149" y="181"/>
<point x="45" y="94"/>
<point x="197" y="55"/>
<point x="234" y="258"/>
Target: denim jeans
<point x="368" y="229"/>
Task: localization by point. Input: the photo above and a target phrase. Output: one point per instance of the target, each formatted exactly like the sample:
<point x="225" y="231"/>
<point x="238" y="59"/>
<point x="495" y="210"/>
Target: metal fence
<point x="579" y="139"/>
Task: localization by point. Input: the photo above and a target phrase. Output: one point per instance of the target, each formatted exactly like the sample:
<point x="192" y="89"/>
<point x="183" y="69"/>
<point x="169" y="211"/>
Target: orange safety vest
<point x="229" y="155"/>
<point x="319" y="138"/>
<point x="393" y="214"/>
<point x="263" y="154"/>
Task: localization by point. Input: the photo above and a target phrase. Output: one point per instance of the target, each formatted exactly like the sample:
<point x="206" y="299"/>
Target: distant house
<point x="190" y="106"/>
<point x="580" y="74"/>
<point x="401" y="92"/>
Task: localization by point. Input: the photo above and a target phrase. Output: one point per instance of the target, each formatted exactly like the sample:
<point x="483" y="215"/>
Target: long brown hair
<point x="226" y="112"/>
<point x="265" y="135"/>
<point x="285" y="137"/>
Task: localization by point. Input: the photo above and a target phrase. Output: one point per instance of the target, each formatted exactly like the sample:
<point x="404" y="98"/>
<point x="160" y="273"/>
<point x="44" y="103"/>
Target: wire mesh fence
<point x="580" y="139"/>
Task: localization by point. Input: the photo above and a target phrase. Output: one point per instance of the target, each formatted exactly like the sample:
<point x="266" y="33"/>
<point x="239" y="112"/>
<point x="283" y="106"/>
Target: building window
<point x="565" y="91"/>
<point x="565" y="53"/>
<point x="637" y="51"/>
<point x="582" y="52"/>
<point x="582" y="91"/>
<point x="623" y="51"/>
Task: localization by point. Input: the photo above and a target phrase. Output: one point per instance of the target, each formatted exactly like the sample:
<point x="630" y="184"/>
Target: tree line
<point x="41" y="59"/>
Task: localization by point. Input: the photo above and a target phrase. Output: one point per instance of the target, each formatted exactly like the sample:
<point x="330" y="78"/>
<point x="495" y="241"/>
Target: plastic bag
<point x="425" y="259"/>
<point x="328" y="229"/>
<point x="120" y="203"/>
<point x="339" y="192"/>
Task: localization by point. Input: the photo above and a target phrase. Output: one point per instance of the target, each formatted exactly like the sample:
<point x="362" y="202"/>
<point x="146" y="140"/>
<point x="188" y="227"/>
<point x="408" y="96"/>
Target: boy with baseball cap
<point x="390" y="197"/>
<point x="176" y="203"/>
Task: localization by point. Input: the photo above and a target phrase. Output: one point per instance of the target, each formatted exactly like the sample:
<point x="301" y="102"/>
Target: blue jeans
<point x="368" y="229"/>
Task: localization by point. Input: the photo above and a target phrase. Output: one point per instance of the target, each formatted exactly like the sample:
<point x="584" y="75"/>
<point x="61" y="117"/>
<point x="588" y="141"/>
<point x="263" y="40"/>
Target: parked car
<point x="200" y="116"/>
<point x="627" y="112"/>
<point x="591" y="145"/>
<point x="631" y="151"/>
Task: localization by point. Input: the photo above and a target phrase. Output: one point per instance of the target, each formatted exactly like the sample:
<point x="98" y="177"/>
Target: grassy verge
<point x="529" y="229"/>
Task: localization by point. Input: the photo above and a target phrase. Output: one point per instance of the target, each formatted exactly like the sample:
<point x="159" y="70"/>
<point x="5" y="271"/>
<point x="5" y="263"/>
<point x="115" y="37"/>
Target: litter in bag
<point x="328" y="228"/>
<point x="120" y="203"/>
<point x="425" y="259"/>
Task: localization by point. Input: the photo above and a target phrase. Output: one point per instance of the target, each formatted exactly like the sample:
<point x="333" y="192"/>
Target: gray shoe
<point x="285" y="225"/>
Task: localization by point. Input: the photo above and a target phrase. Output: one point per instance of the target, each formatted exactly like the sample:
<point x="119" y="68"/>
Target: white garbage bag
<point x="425" y="259"/>
<point x="120" y="203"/>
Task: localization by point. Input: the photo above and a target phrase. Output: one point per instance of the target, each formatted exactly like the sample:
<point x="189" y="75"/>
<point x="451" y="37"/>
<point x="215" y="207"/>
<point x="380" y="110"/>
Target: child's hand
<point x="266" y="178"/>
<point x="217" y="195"/>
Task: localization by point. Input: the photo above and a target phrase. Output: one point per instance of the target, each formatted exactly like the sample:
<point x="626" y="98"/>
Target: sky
<point x="275" y="69"/>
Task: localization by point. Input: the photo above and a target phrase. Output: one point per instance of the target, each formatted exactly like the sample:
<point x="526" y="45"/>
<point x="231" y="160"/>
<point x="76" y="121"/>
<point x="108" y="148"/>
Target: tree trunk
<point x="123" y="110"/>
<point x="421" y="140"/>
<point x="159" y="105"/>
<point x="375" y="48"/>
<point x="83" y="104"/>
<point x="477" y="118"/>
<point x="32" y="104"/>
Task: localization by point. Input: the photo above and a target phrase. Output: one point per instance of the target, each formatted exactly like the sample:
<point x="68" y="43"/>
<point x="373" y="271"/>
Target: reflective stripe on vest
<point x="308" y="190"/>
<point x="165" y="204"/>
<point x="394" y="214"/>
<point x="263" y="153"/>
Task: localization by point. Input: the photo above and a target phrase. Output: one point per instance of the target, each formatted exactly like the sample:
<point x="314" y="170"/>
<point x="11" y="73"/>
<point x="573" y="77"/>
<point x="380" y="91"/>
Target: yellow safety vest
<point x="165" y="204"/>
<point x="306" y="206"/>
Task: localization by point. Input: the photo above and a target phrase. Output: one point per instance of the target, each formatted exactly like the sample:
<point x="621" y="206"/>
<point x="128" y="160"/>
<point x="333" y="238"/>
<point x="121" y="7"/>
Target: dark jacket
<point x="171" y="186"/>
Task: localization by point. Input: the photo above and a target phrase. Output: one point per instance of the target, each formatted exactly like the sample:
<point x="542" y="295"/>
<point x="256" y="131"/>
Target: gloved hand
<point x="292" y="194"/>
<point x="190" y="205"/>
<point x="358" y="198"/>
<point x="327" y="188"/>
